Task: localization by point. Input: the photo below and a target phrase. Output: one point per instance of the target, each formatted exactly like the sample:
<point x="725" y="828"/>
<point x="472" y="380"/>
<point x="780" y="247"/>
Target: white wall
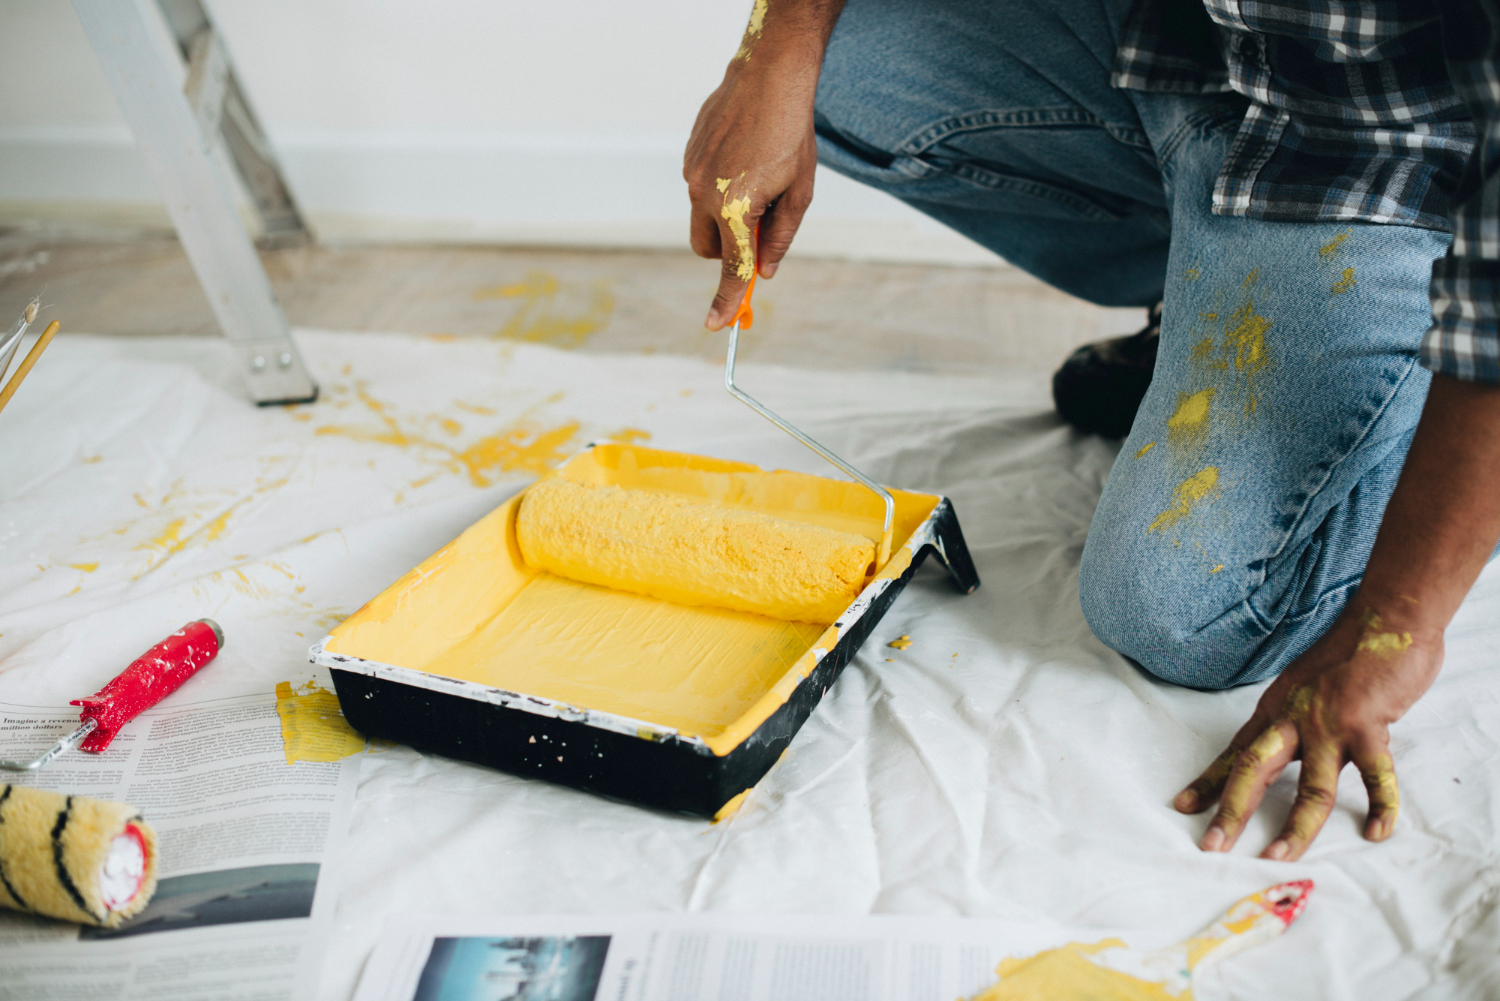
<point x="495" y="120"/>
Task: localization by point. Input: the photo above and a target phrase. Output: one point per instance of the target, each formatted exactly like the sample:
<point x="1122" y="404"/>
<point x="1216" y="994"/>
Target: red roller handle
<point x="153" y="676"/>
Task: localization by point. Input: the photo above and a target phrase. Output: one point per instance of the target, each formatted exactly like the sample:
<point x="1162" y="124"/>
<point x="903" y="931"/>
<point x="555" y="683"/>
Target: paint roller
<point x="696" y="552"/>
<point x="87" y="860"/>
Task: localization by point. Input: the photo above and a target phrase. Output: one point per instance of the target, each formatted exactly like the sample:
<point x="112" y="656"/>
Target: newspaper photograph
<point x="692" y="957"/>
<point x="247" y="838"/>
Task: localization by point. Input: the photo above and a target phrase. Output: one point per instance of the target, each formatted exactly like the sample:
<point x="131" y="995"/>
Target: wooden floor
<point x="815" y="314"/>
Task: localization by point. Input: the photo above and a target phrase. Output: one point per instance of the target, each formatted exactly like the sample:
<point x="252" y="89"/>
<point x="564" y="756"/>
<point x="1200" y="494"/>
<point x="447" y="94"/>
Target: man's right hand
<point x="752" y="155"/>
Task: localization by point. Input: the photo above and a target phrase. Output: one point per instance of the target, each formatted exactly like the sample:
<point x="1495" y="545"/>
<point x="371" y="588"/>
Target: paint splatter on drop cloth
<point x="901" y="642"/>
<point x="630" y="436"/>
<point x="313" y="727"/>
<point x="1110" y="970"/>
<point x="1186" y="497"/>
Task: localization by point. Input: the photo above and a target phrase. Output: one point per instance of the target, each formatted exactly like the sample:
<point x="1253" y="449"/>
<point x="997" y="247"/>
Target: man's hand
<point x="1333" y="704"/>
<point x="752" y="154"/>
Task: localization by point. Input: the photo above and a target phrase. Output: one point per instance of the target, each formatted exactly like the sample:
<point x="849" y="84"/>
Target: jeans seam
<point x="1364" y="435"/>
<point x="1208" y="119"/>
<point x="1062" y="117"/>
<point x="1035" y="189"/>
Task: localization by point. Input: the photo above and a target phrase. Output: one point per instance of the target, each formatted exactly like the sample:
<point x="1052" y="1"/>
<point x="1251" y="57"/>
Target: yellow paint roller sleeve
<point x="692" y="552"/>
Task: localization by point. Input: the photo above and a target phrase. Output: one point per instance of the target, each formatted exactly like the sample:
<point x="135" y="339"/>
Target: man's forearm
<point x="788" y="27"/>
<point x="1443" y="519"/>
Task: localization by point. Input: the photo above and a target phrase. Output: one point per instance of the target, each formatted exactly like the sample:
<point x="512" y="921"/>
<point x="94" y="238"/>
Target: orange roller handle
<point x="744" y="315"/>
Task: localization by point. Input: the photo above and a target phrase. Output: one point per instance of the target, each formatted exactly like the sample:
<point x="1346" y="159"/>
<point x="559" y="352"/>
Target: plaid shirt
<point x="1360" y="110"/>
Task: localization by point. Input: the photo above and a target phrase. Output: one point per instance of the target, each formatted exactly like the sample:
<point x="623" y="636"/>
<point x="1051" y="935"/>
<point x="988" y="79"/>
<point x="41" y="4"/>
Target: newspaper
<point x="247" y="843"/>
<point x="693" y="957"/>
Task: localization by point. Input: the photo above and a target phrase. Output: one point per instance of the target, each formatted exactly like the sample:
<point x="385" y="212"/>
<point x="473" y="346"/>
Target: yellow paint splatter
<point x="1189" y="494"/>
<point x="1204" y="349"/>
<point x="734" y="211"/>
<point x="542" y="319"/>
<point x="474" y="408"/>
<point x="1345" y="282"/>
<point x="85" y="567"/>
<point x="630" y="436"/>
<point x="1066" y="974"/>
<point x="753" y="30"/>
<point x="902" y="642"/>
<point x="1216" y="569"/>
<point x="732" y="807"/>
<point x="1191" y="275"/>
<point x="1188" y="425"/>
<point x="313" y="727"/>
<point x="1145" y="448"/>
<point x="1245" y="336"/>
<point x="1332" y="246"/>
<point x="91" y="459"/>
<point x="522" y="447"/>
<point x="1376" y="640"/>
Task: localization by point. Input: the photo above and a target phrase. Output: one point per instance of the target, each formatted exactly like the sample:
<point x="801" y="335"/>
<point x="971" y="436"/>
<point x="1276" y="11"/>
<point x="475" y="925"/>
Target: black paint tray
<point x="476" y="656"/>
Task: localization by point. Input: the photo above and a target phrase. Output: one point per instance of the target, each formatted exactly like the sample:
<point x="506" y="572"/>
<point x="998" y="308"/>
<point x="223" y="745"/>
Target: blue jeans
<point x="1241" y="511"/>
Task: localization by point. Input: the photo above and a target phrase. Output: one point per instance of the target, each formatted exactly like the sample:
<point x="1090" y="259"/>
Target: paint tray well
<point x="477" y="656"/>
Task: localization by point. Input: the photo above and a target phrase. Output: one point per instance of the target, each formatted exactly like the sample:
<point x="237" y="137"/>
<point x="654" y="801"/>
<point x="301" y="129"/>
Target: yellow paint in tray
<point x="475" y="611"/>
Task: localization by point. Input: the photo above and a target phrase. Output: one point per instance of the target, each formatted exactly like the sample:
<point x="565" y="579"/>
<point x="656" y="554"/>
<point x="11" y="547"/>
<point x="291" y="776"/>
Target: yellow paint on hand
<point x="692" y="553"/>
<point x="1145" y="448"/>
<point x="734" y="212"/>
<point x="1332" y="246"/>
<point x="85" y="567"/>
<point x="1066" y="974"/>
<point x="1188" y="495"/>
<point x="753" y="30"/>
<point x="1345" y="283"/>
<point x="313" y="727"/>
<point x="902" y="642"/>
<point x="630" y="436"/>
<point x="1376" y="640"/>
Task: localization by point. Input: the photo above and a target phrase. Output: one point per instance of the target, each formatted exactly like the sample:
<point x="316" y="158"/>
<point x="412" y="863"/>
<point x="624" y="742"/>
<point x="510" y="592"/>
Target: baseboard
<point x="607" y="191"/>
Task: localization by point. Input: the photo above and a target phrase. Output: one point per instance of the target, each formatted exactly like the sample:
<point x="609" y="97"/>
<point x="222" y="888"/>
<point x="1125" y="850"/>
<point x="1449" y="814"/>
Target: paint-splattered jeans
<point x="1241" y="511"/>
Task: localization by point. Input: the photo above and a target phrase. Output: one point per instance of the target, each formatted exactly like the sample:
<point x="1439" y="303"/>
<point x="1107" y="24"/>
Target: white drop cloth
<point x="1006" y="765"/>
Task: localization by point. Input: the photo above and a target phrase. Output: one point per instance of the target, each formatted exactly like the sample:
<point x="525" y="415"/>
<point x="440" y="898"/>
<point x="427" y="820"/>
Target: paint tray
<point x="476" y="656"/>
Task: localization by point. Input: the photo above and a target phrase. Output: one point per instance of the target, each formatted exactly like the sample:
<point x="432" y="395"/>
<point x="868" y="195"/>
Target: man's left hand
<point x="1331" y="706"/>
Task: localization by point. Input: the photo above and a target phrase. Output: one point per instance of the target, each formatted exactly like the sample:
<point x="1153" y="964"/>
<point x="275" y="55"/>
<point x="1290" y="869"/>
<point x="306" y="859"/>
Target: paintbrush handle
<point x="25" y="367"/>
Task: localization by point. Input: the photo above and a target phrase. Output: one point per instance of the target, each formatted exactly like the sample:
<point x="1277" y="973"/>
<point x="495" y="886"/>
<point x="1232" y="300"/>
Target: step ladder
<point x="192" y="136"/>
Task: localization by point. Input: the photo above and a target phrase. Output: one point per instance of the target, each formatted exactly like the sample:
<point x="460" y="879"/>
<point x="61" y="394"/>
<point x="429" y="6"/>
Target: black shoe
<point x="1101" y="385"/>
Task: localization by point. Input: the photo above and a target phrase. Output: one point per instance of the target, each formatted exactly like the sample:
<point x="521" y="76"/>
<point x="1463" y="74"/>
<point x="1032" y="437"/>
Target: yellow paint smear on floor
<point x="1188" y="495"/>
<point x="313" y="727"/>
<point x="85" y="567"/>
<point x="521" y="447"/>
<point x="1066" y="974"/>
<point x="630" y="436"/>
<point x="902" y="642"/>
<point x="547" y="313"/>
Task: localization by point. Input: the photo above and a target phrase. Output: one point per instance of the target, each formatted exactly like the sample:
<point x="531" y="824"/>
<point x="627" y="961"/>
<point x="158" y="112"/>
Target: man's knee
<point x="1163" y="620"/>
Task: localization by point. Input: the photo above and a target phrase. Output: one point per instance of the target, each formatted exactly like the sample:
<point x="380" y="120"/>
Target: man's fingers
<point x="1317" y="791"/>
<point x="1199" y="795"/>
<point x="1379" y="774"/>
<point x="780" y="224"/>
<point x="1252" y="770"/>
<point x="704" y="234"/>
<point x="734" y="275"/>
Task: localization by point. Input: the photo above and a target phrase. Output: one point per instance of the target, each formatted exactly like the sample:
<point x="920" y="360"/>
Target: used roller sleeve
<point x="692" y="552"/>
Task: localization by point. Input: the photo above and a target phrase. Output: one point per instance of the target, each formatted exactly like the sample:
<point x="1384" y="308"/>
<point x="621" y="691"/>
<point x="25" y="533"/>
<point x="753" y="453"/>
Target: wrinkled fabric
<point x="1006" y="765"/>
